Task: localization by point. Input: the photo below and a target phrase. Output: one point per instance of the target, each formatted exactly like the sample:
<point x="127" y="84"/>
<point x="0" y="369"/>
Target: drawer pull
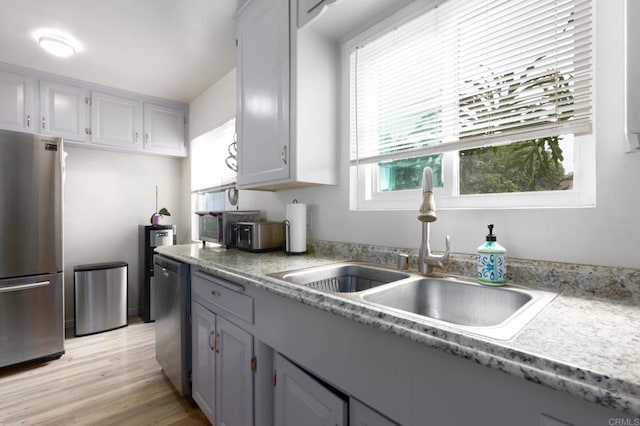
<point x="216" y="293"/>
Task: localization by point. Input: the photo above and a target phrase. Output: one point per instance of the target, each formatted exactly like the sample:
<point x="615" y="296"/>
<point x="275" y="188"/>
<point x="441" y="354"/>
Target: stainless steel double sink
<point x="495" y="312"/>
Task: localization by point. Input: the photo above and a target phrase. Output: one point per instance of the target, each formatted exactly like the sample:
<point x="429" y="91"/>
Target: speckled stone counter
<point x="586" y="346"/>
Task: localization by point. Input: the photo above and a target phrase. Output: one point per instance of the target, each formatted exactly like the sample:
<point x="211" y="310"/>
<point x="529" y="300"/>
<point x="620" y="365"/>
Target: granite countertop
<point x="585" y="346"/>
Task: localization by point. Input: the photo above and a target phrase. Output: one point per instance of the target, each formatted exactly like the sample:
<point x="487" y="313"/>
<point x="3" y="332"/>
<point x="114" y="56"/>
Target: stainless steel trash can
<point x="100" y="294"/>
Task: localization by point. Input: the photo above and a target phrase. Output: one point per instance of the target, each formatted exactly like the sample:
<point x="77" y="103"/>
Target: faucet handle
<point x="403" y="261"/>
<point x="447" y="251"/>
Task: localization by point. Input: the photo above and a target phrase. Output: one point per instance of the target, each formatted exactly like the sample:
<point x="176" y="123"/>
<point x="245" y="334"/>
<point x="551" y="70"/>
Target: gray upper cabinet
<point x="16" y="102"/>
<point x="287" y="99"/>
<point x="164" y="130"/>
<point x="632" y="92"/>
<point x="62" y="111"/>
<point x="116" y="121"/>
<point x="263" y="93"/>
<point x="309" y="9"/>
<point x="36" y="102"/>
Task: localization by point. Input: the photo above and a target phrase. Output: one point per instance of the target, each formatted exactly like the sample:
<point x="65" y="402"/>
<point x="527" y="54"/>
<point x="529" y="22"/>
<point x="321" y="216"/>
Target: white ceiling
<point x="172" y="49"/>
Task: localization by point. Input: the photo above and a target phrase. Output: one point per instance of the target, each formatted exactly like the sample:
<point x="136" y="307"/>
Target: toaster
<point x="259" y="236"/>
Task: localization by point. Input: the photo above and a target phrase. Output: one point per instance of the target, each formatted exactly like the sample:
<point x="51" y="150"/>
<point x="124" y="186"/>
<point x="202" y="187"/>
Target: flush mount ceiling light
<point x="57" y="45"/>
<point x="56" y="42"/>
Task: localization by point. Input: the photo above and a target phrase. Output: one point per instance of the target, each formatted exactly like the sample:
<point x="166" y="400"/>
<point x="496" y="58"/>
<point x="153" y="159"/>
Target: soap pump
<point x="492" y="269"/>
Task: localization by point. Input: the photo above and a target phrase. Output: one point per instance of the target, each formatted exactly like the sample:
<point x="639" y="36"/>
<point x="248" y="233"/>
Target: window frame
<point x="363" y="177"/>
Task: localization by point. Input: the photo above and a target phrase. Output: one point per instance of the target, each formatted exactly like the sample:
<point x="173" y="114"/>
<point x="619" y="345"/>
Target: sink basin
<point x="346" y="277"/>
<point x="497" y="312"/>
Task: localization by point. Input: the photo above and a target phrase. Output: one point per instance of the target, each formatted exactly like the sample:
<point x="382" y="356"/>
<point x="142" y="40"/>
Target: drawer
<point x="222" y="297"/>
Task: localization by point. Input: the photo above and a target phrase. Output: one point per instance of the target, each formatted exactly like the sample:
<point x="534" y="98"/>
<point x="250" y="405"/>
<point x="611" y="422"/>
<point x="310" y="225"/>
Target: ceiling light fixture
<point x="57" y="45"/>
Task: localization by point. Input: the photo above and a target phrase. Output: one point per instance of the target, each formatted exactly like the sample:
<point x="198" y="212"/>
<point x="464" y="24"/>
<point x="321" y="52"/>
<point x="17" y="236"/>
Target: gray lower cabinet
<point x="329" y="359"/>
<point x="234" y="375"/>
<point x="222" y="369"/>
<point x="361" y="415"/>
<point x="231" y="369"/>
<point x="299" y="399"/>
<point x="203" y="362"/>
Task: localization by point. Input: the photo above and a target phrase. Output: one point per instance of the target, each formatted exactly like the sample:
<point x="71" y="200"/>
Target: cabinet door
<point x="263" y="92"/>
<point x="16" y="102"/>
<point x="203" y="328"/>
<point x="63" y="111"/>
<point x="234" y="377"/>
<point x="361" y="415"/>
<point x="116" y="121"/>
<point x="301" y="400"/>
<point x="164" y="130"/>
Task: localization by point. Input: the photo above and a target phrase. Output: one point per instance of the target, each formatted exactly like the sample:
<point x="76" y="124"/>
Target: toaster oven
<point x="260" y="236"/>
<point x="219" y="226"/>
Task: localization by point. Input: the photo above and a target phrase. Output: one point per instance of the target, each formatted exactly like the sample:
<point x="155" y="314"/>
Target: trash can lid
<point x="97" y="266"/>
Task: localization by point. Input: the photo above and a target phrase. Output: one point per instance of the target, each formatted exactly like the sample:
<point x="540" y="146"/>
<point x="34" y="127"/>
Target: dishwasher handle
<point x="170" y="265"/>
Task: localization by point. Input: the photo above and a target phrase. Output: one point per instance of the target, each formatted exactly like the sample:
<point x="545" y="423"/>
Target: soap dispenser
<point x="492" y="269"/>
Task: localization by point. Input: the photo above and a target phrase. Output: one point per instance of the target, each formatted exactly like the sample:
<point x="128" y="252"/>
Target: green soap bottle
<point x="492" y="267"/>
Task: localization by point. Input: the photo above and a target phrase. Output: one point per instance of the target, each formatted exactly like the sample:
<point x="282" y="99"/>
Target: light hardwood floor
<point x="107" y="378"/>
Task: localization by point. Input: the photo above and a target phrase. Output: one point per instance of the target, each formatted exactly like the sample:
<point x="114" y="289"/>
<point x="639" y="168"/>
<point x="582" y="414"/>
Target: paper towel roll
<point x="296" y="215"/>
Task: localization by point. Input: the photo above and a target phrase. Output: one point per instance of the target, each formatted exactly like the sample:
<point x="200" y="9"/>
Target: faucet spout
<point x="427" y="210"/>
<point x="426" y="215"/>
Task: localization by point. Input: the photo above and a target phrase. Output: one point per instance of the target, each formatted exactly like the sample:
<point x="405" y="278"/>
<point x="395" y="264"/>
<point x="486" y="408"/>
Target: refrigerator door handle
<point x="24" y="286"/>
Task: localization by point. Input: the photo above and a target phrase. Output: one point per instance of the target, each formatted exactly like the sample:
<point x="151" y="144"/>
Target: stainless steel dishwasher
<point x="173" y="330"/>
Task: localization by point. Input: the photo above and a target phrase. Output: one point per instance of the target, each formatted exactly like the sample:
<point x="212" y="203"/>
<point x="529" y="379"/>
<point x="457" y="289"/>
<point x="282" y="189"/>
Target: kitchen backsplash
<point x="591" y="280"/>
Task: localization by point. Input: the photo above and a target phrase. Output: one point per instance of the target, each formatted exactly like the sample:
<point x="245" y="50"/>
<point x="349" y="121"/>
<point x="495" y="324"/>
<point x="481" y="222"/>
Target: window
<point x="494" y="95"/>
<point x="213" y="165"/>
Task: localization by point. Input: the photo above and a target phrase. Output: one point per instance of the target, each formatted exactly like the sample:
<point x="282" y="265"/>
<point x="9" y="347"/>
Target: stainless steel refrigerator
<point x="31" y="279"/>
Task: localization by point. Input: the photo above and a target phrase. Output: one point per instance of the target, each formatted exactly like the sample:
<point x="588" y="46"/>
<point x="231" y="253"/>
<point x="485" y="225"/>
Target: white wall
<point x="608" y="234"/>
<point x="107" y="195"/>
<point x="214" y="106"/>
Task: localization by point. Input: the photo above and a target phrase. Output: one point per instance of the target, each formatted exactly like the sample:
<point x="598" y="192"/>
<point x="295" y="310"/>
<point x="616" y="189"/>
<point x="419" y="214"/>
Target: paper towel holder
<point x="287" y="235"/>
<point x="287" y="239"/>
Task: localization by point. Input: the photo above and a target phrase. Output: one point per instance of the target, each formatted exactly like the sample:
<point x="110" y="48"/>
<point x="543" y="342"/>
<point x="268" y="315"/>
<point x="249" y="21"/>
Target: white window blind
<point x="208" y="154"/>
<point x="472" y="73"/>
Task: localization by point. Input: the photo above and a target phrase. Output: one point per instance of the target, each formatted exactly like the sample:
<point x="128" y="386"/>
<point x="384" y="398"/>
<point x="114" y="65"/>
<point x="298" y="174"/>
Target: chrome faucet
<point x="426" y="215"/>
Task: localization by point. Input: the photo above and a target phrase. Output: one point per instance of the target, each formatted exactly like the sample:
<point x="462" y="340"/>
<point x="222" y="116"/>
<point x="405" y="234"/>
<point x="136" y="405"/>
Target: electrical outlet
<point x="309" y="207"/>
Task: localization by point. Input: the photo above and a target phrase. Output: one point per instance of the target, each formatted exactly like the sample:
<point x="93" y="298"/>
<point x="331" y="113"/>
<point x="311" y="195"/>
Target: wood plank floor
<point x="104" y="379"/>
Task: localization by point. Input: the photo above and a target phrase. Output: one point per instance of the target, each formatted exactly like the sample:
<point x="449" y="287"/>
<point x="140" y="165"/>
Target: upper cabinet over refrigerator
<point x="63" y="111"/>
<point x="16" y="101"/>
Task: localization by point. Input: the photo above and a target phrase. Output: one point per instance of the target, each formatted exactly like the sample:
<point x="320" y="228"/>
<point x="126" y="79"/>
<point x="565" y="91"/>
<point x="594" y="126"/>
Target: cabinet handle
<point x="212" y="346"/>
<point x="216" y="293"/>
<point x="284" y="154"/>
<point x="29" y="120"/>
<point x="217" y="343"/>
<point x="44" y="122"/>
